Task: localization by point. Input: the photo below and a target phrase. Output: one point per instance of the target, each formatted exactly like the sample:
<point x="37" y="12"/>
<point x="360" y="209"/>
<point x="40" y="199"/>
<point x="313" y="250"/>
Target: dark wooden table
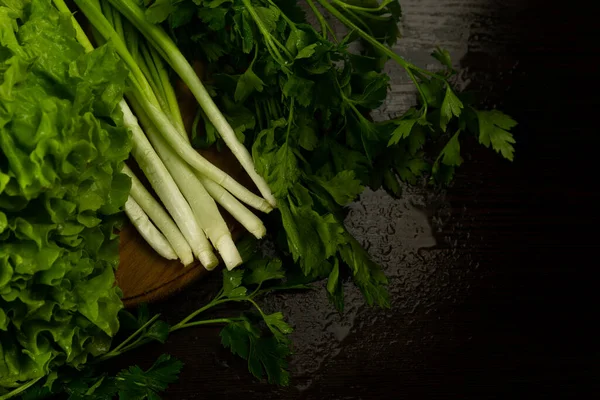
<point x="493" y="283"/>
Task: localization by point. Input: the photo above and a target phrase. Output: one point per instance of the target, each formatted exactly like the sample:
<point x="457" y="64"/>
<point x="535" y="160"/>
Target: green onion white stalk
<point x="187" y="184"/>
<point x="251" y="222"/>
<point x="145" y="96"/>
<point x="168" y="191"/>
<point x="169" y="50"/>
<point x="157" y="174"/>
<point x="142" y="224"/>
<point x="199" y="163"/>
<point x="202" y="204"/>
<point x="161" y="219"/>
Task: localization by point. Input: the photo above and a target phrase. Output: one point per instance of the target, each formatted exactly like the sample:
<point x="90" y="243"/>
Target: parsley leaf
<point x="410" y="167"/>
<point x="263" y="270"/>
<point x="268" y="17"/>
<point x="248" y="83"/>
<point x="213" y="17"/>
<point x="265" y="354"/>
<point x="373" y="88"/>
<point x="368" y="276"/>
<point x="277" y="163"/>
<point x="278" y="326"/>
<point x="159" y="11"/>
<point x="493" y="130"/>
<point x="307" y="51"/>
<point x="300" y="89"/>
<point x="232" y="280"/>
<point x="451" y="107"/>
<point x="403" y="129"/>
<point x="443" y="57"/>
<point x="159" y="331"/>
<point x="448" y="157"/>
<point x="135" y="383"/>
<point x="334" y="287"/>
<point x="344" y="187"/>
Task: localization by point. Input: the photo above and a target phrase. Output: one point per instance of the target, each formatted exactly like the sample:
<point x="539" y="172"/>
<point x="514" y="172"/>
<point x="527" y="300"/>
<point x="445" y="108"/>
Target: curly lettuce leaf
<point x="62" y="147"/>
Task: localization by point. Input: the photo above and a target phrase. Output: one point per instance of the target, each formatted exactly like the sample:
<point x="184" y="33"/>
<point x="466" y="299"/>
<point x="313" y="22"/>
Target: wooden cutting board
<point x="143" y="275"/>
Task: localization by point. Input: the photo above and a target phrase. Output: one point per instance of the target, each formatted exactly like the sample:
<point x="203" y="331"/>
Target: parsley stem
<point x="117" y="350"/>
<point x="209" y="321"/>
<point x="196" y="313"/>
<point x="360" y="21"/>
<point x="290" y="119"/>
<point x="285" y="17"/>
<point x="258" y="309"/>
<point x="273" y="44"/>
<point x="20" y="389"/>
<point x="325" y="27"/>
<point x="371" y="16"/>
<point x="255" y="291"/>
<point x="409" y="67"/>
<point x="358" y="8"/>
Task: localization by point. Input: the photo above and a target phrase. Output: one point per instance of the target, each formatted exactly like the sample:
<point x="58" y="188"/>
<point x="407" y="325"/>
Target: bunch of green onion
<point x="188" y="223"/>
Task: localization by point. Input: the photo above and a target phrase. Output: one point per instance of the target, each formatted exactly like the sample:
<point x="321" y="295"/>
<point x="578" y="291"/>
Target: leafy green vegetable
<point x="261" y="339"/>
<point x="129" y="384"/>
<point x="300" y="99"/>
<point x="311" y="95"/>
<point x="136" y="383"/>
<point x="265" y="355"/>
<point x="493" y="130"/>
<point x="62" y="147"/>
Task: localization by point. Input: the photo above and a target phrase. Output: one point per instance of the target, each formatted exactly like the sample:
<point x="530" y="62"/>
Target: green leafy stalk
<point x="311" y="137"/>
<point x="167" y="48"/>
<point x="265" y="354"/>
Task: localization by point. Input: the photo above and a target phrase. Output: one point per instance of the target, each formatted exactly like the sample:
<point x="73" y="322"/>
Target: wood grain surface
<point x="493" y="283"/>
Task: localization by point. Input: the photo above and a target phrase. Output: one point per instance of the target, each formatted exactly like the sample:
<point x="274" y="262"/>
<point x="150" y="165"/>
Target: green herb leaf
<point x="278" y="326"/>
<point x="158" y="331"/>
<point x="265" y="355"/>
<point x="334" y="287"/>
<point x="344" y="187"/>
<point x="231" y="280"/>
<point x="306" y="51"/>
<point x="451" y="107"/>
<point x="263" y="270"/>
<point x="494" y="129"/>
<point x="367" y="275"/>
<point x="247" y="84"/>
<point x="277" y="163"/>
<point x="268" y="17"/>
<point x="159" y="11"/>
<point x="443" y="56"/>
<point x="403" y="130"/>
<point x="136" y="383"/>
<point x="411" y="167"/>
<point x="300" y="89"/>
<point x="373" y="89"/>
<point x="450" y="158"/>
<point x="213" y="17"/>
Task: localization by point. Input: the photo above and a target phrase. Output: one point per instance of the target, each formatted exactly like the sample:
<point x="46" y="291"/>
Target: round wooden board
<point x="143" y="275"/>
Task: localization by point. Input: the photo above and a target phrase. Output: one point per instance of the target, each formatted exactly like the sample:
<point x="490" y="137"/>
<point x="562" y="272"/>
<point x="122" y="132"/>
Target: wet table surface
<point x="492" y="293"/>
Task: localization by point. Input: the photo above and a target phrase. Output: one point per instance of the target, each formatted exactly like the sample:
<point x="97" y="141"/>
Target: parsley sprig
<point x="260" y="338"/>
<point x="301" y="99"/>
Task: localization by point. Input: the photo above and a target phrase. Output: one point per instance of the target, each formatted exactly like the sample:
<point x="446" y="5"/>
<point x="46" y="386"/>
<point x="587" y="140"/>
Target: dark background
<point x="495" y="295"/>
